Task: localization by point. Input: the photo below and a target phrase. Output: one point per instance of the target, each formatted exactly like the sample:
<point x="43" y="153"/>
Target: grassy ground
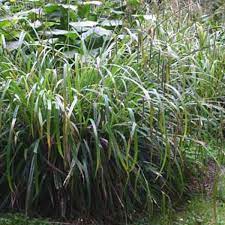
<point x="20" y="220"/>
<point x="198" y="211"/>
<point x="201" y="211"/>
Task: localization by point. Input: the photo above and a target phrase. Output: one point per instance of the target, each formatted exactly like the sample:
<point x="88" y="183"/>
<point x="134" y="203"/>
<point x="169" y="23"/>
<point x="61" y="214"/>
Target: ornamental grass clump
<point x="109" y="129"/>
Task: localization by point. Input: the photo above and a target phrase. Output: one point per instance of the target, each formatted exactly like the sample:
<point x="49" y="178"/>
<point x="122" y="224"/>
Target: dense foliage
<point x="102" y="103"/>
